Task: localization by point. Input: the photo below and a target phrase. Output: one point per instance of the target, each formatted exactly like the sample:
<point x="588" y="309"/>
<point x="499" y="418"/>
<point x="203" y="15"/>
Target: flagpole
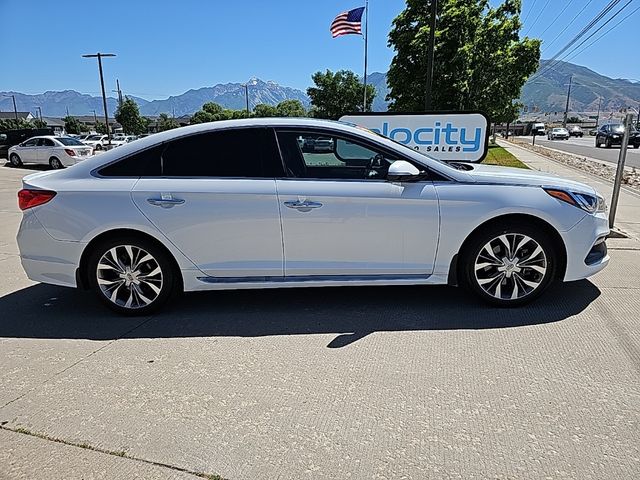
<point x="366" y="38"/>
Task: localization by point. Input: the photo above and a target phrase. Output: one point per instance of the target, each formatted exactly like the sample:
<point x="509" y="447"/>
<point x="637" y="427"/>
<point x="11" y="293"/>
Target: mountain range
<point x="545" y="91"/>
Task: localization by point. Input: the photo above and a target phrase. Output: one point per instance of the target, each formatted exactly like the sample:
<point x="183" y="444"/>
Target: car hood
<point x="520" y="176"/>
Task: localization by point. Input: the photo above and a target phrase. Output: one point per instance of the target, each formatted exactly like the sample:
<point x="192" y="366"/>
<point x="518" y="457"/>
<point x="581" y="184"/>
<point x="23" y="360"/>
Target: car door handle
<point x="303" y="206"/>
<point x="165" y="202"/>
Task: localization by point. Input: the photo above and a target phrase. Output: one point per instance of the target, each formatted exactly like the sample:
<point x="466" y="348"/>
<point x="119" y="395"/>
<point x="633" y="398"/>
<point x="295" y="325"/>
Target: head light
<point x="585" y="201"/>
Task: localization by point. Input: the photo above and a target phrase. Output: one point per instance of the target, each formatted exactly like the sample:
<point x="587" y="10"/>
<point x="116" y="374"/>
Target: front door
<point x="340" y="216"/>
<point x="28" y="151"/>
<point x="216" y="201"/>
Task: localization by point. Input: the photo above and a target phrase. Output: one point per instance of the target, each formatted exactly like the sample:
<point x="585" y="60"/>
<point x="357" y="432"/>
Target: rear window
<point x="69" y="141"/>
<point x="142" y="164"/>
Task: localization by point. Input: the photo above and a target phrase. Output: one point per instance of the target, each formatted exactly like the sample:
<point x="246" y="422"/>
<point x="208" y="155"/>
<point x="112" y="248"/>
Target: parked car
<point x="236" y="204"/>
<point x="612" y="133"/>
<point x="575" y="131"/>
<point x="9" y="138"/>
<point x="96" y="141"/>
<point x="593" y="132"/>
<point x="558" y="134"/>
<point x="57" y="152"/>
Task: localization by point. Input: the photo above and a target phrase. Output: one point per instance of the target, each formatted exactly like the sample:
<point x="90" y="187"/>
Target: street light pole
<point x="246" y="94"/>
<point x="104" y="95"/>
<point x="430" y="55"/>
<point x="598" y="114"/>
<point x="566" y="108"/>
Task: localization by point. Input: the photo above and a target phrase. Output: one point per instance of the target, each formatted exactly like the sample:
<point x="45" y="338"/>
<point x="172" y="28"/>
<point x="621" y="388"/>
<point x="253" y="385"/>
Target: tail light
<point x="71" y="153"/>
<point x="28" y="198"/>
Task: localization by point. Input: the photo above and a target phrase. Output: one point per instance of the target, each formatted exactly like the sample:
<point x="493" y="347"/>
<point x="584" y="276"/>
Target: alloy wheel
<point x="129" y="276"/>
<point x="510" y="266"/>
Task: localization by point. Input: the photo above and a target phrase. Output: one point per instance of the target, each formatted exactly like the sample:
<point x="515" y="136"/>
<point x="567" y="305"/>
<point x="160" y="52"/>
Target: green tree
<point x="338" y="93"/>
<point x="480" y="61"/>
<point x="264" y="110"/>
<point x="72" y="125"/>
<point x="13" y="124"/>
<point x="128" y="115"/>
<point x="37" y="123"/>
<point x="165" y="122"/>
<point x="101" y="128"/>
<point x="290" y="108"/>
<point x="210" y="112"/>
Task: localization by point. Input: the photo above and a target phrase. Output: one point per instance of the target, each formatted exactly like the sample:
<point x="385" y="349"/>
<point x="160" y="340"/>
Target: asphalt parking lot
<point x="586" y="146"/>
<point x="376" y="383"/>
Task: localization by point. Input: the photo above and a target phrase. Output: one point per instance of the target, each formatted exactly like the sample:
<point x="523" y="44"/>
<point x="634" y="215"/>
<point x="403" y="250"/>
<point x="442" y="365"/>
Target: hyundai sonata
<point x="241" y="204"/>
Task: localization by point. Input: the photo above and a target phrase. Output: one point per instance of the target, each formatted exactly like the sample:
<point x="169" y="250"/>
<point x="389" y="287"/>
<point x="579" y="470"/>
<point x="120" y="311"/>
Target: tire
<point x="597" y="143"/>
<point x="15" y="161"/>
<point x="115" y="271"/>
<point x="98" y="147"/>
<point x="519" y="281"/>
<point x="55" y="163"/>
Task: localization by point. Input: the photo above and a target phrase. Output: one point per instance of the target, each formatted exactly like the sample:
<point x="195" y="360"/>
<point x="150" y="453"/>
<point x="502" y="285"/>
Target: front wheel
<point x="509" y="265"/>
<point x="131" y="276"/>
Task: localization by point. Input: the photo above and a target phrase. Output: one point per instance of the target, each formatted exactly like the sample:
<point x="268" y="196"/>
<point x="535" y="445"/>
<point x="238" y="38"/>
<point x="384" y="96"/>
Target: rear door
<point x="216" y="201"/>
<point x="340" y="215"/>
<point x="45" y="150"/>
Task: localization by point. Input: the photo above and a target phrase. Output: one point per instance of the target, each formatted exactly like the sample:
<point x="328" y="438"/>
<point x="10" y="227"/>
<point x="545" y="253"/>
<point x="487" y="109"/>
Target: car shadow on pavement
<point x="49" y="312"/>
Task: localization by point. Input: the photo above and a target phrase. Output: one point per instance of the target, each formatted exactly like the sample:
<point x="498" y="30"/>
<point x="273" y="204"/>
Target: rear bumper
<point x="45" y="259"/>
<point x="586" y="247"/>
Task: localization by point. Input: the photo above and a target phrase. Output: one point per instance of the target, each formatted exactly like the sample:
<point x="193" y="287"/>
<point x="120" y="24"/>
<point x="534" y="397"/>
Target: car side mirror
<point x="403" y="171"/>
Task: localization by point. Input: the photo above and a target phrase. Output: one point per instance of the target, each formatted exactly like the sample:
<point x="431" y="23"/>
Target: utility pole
<point x="598" y="114"/>
<point x="246" y="94"/>
<point x="95" y="118"/>
<point x="67" y="109"/>
<point x="104" y="95"/>
<point x="40" y="111"/>
<point x="566" y="108"/>
<point x="430" y="55"/>
<point x="119" y="92"/>
<point x="15" y="109"/>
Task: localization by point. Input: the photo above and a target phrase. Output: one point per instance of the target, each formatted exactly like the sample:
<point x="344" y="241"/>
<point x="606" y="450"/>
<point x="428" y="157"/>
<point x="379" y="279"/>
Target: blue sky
<point x="165" y="48"/>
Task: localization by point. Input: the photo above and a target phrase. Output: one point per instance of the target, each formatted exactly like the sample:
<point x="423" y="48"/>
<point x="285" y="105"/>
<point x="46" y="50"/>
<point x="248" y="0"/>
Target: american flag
<point x="347" y="23"/>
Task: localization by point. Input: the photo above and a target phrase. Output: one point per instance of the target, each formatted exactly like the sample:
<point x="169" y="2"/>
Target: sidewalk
<point x="628" y="213"/>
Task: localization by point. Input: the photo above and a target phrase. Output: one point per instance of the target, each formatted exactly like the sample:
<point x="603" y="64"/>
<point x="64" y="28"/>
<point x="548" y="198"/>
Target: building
<point x="26" y="116"/>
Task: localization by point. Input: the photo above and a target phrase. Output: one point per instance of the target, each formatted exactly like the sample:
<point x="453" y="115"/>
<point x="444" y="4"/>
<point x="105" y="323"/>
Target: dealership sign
<point x="447" y="136"/>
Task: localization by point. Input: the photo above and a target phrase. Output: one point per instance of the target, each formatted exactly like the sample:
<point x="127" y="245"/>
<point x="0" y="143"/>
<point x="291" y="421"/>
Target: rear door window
<point x="241" y="152"/>
<point x="141" y="164"/>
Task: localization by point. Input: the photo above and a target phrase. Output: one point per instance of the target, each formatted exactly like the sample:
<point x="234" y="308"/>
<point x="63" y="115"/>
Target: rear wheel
<point x="130" y="275"/>
<point x="509" y="265"/>
<point x="14" y="159"/>
<point x="55" y="163"/>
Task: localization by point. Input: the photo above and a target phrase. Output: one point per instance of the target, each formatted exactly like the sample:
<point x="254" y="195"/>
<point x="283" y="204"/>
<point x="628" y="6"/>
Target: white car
<point x="96" y="141"/>
<point x="558" y="134"/>
<point x="238" y="204"/>
<point x="57" y="152"/>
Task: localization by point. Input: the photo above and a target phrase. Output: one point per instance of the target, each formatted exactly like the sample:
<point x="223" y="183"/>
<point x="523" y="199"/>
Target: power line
<point x="568" y="25"/>
<point x="557" y="18"/>
<point x="533" y="2"/>
<point x="605" y="33"/>
<point x="577" y="37"/>
<point x="593" y="33"/>
<point x="599" y="28"/>
<point x="537" y="17"/>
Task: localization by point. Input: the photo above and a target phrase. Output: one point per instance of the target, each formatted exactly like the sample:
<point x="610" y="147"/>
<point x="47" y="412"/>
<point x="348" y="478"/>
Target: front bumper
<point x="586" y="247"/>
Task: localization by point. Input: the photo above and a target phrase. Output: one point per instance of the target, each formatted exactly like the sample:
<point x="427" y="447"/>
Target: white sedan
<point x="239" y="204"/>
<point x="57" y="152"/>
<point x="96" y="141"/>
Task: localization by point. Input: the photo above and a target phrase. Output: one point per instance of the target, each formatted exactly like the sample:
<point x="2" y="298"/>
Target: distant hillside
<point x="548" y="92"/>
<point x="229" y="95"/>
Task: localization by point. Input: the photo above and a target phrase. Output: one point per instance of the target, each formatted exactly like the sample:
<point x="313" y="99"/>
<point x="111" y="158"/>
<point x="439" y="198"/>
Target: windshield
<point x="69" y="141"/>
